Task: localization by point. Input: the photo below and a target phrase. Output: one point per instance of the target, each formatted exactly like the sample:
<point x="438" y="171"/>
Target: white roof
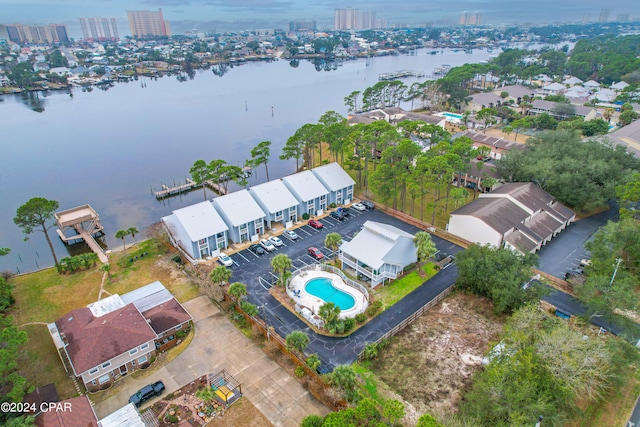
<point x="591" y="83"/>
<point x="333" y="176"/>
<point x="239" y="207"/>
<point x="378" y="243"/>
<point x="274" y="195"/>
<point x="554" y="86"/>
<point x="305" y="185"/>
<point x="572" y="81"/>
<point x="148" y="296"/>
<point x="620" y="85"/>
<point x="200" y="220"/>
<point x="127" y="416"/>
<point x="106" y="305"/>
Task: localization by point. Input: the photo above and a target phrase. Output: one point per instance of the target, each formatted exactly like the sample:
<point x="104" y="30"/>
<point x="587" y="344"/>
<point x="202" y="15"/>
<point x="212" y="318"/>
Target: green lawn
<point x="399" y="288"/>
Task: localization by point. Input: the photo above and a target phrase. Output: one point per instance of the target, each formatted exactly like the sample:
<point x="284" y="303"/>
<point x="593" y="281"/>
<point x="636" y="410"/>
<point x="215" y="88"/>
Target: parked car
<point x="315" y="253"/>
<point x="146" y="393"/>
<point x="573" y="273"/>
<point x="368" y="204"/>
<point x="267" y="245"/>
<point x="275" y="241"/>
<point x="257" y="249"/>
<point x="344" y="212"/>
<point x="337" y="215"/>
<point x="290" y="234"/>
<point x="585" y="262"/>
<point x="225" y="260"/>
<point x="359" y="207"/>
<point x="315" y="224"/>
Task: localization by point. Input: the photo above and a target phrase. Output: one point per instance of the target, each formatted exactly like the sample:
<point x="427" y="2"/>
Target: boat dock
<point x="191" y="185"/>
<point x="400" y="74"/>
<point x="85" y="222"/>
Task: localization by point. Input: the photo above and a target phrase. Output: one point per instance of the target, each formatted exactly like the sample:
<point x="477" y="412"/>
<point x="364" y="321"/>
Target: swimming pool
<point x="322" y="288"/>
<point x="453" y="115"/>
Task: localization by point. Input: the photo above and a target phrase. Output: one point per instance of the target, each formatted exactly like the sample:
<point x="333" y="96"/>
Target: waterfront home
<point x="277" y="202"/>
<point x="119" y="334"/>
<point x="311" y="194"/>
<point x="198" y="231"/>
<point x="518" y="216"/>
<point x="378" y="253"/>
<point x="337" y="181"/>
<point x="242" y="214"/>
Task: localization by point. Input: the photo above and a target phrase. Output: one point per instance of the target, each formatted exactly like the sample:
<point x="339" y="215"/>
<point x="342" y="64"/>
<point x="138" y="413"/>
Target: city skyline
<point x="232" y="15"/>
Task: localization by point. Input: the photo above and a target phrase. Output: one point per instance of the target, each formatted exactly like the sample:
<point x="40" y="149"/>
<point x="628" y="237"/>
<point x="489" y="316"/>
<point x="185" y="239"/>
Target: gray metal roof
<point x="127" y="416"/>
<point x="239" y="207"/>
<point x="379" y="243"/>
<point x="199" y="221"/>
<point x="148" y="296"/>
<point x="333" y="176"/>
<point x="305" y="186"/>
<point x="274" y="195"/>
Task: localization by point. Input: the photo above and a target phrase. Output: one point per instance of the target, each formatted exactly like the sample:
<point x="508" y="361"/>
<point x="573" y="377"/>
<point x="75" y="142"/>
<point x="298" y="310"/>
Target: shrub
<point x="374" y="308"/>
<point x="314" y="362"/>
<point x="349" y="323"/>
<point x="332" y="205"/>
<point x="305" y="216"/>
<point x="370" y="351"/>
<point x="361" y="317"/>
<point x="300" y="372"/>
<point x="312" y="421"/>
<point x="340" y="327"/>
<point x="249" y="308"/>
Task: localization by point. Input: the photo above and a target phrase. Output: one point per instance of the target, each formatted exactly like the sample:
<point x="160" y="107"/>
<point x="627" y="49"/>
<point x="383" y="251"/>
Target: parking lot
<point x="255" y="271"/>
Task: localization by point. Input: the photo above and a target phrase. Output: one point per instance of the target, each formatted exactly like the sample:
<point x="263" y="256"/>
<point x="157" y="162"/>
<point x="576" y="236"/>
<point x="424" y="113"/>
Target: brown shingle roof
<point x="498" y="213"/>
<point x="521" y="241"/>
<point x="80" y="415"/>
<point x="529" y="194"/>
<point x="166" y="316"/>
<point x="95" y="340"/>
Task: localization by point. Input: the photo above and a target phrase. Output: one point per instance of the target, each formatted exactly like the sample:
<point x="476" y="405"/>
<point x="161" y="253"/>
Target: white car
<point x="290" y="234"/>
<point x="267" y="245"/>
<point x="225" y="260"/>
<point x="275" y="241"/>
<point x="359" y="207"/>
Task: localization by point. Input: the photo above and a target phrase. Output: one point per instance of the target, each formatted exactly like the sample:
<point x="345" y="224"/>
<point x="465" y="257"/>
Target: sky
<point x="234" y="15"/>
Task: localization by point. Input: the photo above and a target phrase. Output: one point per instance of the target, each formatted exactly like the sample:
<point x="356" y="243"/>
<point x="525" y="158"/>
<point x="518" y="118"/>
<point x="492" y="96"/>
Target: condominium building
<point x="302" y="26"/>
<point x="145" y="23"/>
<point x="51" y="33"/>
<point x="353" y="19"/>
<point x="470" y="19"/>
<point x="99" y="29"/>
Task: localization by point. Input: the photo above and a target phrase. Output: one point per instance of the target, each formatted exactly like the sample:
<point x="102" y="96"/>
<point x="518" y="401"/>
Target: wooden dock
<point x="85" y="221"/>
<point x="191" y="185"/>
<point x="400" y="74"/>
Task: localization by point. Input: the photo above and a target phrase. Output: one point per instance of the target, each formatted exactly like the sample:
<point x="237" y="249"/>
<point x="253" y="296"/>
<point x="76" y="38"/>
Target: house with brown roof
<point x="109" y="338"/>
<point x="74" y="412"/>
<point x="540" y="106"/>
<point x="518" y="216"/>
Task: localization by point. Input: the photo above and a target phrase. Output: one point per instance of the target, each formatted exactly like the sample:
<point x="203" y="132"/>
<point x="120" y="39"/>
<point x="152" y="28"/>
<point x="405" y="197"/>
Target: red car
<point x="315" y="253"/>
<point x="315" y="223"/>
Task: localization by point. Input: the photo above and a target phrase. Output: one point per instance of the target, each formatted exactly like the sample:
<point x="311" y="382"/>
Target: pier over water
<point x="85" y="222"/>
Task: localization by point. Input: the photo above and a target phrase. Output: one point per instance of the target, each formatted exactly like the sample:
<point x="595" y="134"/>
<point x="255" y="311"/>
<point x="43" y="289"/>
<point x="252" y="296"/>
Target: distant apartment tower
<point x="4" y="35"/>
<point x="145" y="23"/>
<point x="470" y="19"/>
<point x="622" y="17"/>
<point x="99" y="29"/>
<point x="302" y="26"/>
<point x="604" y="15"/>
<point x="52" y="33"/>
<point x="353" y="19"/>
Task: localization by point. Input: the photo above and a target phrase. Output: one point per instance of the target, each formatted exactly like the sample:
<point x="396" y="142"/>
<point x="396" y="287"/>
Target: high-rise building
<point x="145" y="23"/>
<point x="470" y="19"/>
<point x="622" y="17"/>
<point x="604" y="15"/>
<point x="302" y="26"/>
<point x="99" y="29"/>
<point x="353" y="19"/>
<point x="51" y="33"/>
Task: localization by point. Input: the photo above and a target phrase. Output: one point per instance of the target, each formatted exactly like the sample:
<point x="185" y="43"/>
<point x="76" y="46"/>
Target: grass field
<point x="399" y="288"/>
<point x="44" y="296"/>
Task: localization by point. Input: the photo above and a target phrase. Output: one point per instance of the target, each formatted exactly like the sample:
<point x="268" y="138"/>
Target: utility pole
<point x="615" y="270"/>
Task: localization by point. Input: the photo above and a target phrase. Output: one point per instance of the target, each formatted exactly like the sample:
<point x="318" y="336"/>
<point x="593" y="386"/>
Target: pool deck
<point x="314" y="303"/>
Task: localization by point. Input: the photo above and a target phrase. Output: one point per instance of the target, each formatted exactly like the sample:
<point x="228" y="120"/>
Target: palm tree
<point x="297" y="340"/>
<point x="424" y="244"/>
<point x="330" y="313"/>
<point x="133" y="231"/>
<point x="107" y="269"/>
<point x="333" y="242"/>
<point x="281" y="265"/>
<point x="121" y="234"/>
<point x="220" y="275"/>
<point x="237" y="290"/>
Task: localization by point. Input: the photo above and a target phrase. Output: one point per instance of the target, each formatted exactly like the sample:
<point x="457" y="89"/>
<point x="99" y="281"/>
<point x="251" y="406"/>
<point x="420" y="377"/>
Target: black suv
<point x="573" y="273"/>
<point x="337" y="215"/>
<point x="368" y="204"/>
<point x="257" y="249"/>
<point x="146" y="393"/>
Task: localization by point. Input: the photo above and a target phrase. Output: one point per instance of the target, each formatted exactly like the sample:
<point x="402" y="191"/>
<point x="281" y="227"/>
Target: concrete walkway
<point x="218" y="345"/>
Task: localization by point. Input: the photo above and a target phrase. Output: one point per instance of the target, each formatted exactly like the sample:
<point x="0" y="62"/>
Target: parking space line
<point x="240" y="253"/>
<point x="302" y="229"/>
<point x="254" y="254"/>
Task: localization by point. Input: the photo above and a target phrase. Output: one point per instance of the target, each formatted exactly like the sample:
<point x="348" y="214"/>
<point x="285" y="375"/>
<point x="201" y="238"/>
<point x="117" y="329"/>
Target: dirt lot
<point x="431" y="362"/>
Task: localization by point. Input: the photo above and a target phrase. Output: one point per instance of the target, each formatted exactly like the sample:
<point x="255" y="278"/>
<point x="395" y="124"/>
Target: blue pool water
<point x="452" y="115"/>
<point x="322" y="288"/>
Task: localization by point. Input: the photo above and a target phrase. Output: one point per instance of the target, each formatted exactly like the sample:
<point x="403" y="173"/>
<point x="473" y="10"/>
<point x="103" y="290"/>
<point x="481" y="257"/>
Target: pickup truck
<point x="146" y="393"/>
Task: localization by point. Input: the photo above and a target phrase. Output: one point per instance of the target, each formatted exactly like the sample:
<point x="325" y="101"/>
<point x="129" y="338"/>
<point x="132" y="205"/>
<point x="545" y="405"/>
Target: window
<point x="178" y="327"/>
<point x="103" y="379"/>
<point x="133" y="363"/>
<point x="144" y="346"/>
<point x="94" y="382"/>
<point x="142" y="359"/>
<point x="132" y="352"/>
<point x="93" y="371"/>
<point x="106" y="365"/>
